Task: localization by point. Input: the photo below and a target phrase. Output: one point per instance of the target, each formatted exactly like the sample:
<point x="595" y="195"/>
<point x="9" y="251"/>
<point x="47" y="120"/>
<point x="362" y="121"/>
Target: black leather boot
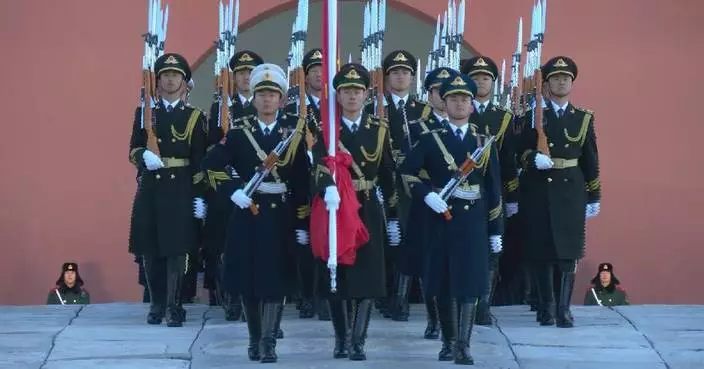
<point x="307" y="309"/>
<point x="360" y="324"/>
<point x="400" y="305"/>
<point x="155" y="273"/>
<point x="564" y="316"/>
<point x="546" y="300"/>
<point x="461" y="353"/>
<point x="322" y="309"/>
<point x="338" y="313"/>
<point x="175" y="314"/>
<point x="270" y="315"/>
<point x="233" y="308"/>
<point x="483" y="316"/>
<point x="252" y="309"/>
<point x="447" y="315"/>
<point x="279" y="315"/>
<point x="431" y="308"/>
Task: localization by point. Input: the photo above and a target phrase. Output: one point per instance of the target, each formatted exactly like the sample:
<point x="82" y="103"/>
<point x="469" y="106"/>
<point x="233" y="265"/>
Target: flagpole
<point x="330" y="63"/>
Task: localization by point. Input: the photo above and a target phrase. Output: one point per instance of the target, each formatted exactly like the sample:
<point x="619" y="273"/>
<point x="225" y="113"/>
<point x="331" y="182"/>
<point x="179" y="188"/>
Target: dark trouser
<point x="189" y="284"/>
<point x="262" y="318"/>
<point x="306" y="282"/>
<point x="483" y="316"/>
<point x="555" y="282"/>
<point x="164" y="279"/>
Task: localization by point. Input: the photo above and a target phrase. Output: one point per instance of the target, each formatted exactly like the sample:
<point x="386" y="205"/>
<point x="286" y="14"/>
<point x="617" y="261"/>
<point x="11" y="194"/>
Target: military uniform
<point x="308" y="305"/>
<point x="609" y="295"/>
<point x="494" y="120"/>
<point x="456" y="267"/>
<point x="557" y="194"/>
<point x="219" y="204"/>
<point x="371" y="166"/>
<point x="163" y="228"/>
<point x="65" y="295"/>
<point x="259" y="247"/>
<point x="417" y="240"/>
<point x="400" y="112"/>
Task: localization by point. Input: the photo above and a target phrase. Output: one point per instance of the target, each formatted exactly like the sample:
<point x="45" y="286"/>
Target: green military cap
<point x="480" y="64"/>
<point x="461" y="84"/>
<point x="559" y="65"/>
<point x="400" y="59"/>
<point x="174" y="62"/>
<point x="437" y="76"/>
<point x="312" y="58"/>
<point x="351" y="75"/>
<point x="245" y="59"/>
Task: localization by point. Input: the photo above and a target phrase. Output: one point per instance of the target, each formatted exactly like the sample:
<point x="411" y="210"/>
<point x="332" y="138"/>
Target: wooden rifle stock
<point x="466" y="166"/>
<point x="148" y="81"/>
<point x="224" y="98"/>
<point x="268" y="163"/>
<point x="301" y="80"/>
<point x="380" y="93"/>
<point x="538" y="114"/>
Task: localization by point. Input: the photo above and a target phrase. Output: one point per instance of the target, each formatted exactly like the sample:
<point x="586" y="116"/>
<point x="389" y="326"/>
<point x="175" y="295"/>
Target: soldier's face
<point x="170" y="82"/>
<point x="314" y="78"/>
<point x="484" y="84"/>
<point x="351" y="98"/>
<point x="560" y="85"/>
<point x="605" y="277"/>
<point x="435" y="100"/>
<point x="70" y="278"/>
<point x="267" y="102"/>
<point x="459" y="106"/>
<point x="242" y="80"/>
<point x="400" y="79"/>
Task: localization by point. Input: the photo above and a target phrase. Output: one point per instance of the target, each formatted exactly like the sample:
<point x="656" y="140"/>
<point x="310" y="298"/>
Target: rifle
<point x="265" y="168"/>
<point x="225" y="48"/>
<point x="462" y="173"/>
<point x="533" y="74"/>
<point x="157" y="21"/>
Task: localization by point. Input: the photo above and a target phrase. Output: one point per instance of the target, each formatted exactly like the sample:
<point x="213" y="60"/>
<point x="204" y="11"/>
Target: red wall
<point x="72" y="77"/>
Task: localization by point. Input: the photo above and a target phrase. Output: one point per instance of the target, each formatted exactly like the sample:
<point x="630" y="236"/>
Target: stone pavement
<point x="109" y="336"/>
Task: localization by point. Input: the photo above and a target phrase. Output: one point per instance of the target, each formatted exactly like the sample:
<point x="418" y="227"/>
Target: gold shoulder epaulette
<point x="585" y="110"/>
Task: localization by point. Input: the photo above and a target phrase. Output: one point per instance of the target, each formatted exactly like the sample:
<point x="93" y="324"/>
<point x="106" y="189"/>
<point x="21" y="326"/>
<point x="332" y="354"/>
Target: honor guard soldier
<point x="365" y="138"/>
<point x="400" y="67"/>
<point x="457" y="263"/>
<point x="559" y="190"/>
<point x="219" y="203"/>
<point x="170" y="190"/>
<point x="313" y="69"/>
<point x="260" y="234"/>
<point x="69" y="288"/>
<point x="417" y="240"/>
<point x="492" y="120"/>
<point x="605" y="289"/>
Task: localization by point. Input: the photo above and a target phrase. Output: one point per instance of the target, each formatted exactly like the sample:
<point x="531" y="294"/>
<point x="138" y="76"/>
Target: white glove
<point x="496" y="244"/>
<point x="302" y="237"/>
<point x="199" y="208"/>
<point x="511" y="209"/>
<point x="543" y="162"/>
<point x="380" y="195"/>
<point x="332" y="198"/>
<point x="435" y="202"/>
<point x="310" y="156"/>
<point x="152" y="161"/>
<point x="593" y="209"/>
<point x="393" y="231"/>
<point x="240" y="199"/>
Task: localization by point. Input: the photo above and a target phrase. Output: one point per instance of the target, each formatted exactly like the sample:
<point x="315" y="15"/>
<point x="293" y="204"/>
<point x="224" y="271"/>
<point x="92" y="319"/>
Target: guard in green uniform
<point x="493" y="120"/>
<point x="605" y="289"/>
<point x="168" y="206"/>
<point x="400" y="66"/>
<point x="559" y="190"/>
<point x="69" y="288"/>
<point x="365" y="138"/>
<point x="219" y="204"/>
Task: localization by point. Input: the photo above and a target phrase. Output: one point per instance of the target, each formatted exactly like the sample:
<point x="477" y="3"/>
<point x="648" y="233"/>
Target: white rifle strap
<point x="59" y="296"/>
<point x="596" y="298"/>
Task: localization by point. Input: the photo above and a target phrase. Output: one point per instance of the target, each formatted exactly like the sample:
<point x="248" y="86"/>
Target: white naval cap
<point x="268" y="76"/>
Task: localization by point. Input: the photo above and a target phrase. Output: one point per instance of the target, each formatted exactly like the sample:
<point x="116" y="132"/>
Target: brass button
<point x="158" y="140"/>
<point x="466" y="207"/>
<point x="363" y="163"/>
<point x="173" y="176"/>
<point x="173" y="140"/>
<point x="565" y="179"/>
<point x="567" y="145"/>
<point x="257" y="206"/>
<point x="549" y="179"/>
<point x="273" y="205"/>
<point x="449" y="207"/>
<point x="158" y="176"/>
<point x="551" y="144"/>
